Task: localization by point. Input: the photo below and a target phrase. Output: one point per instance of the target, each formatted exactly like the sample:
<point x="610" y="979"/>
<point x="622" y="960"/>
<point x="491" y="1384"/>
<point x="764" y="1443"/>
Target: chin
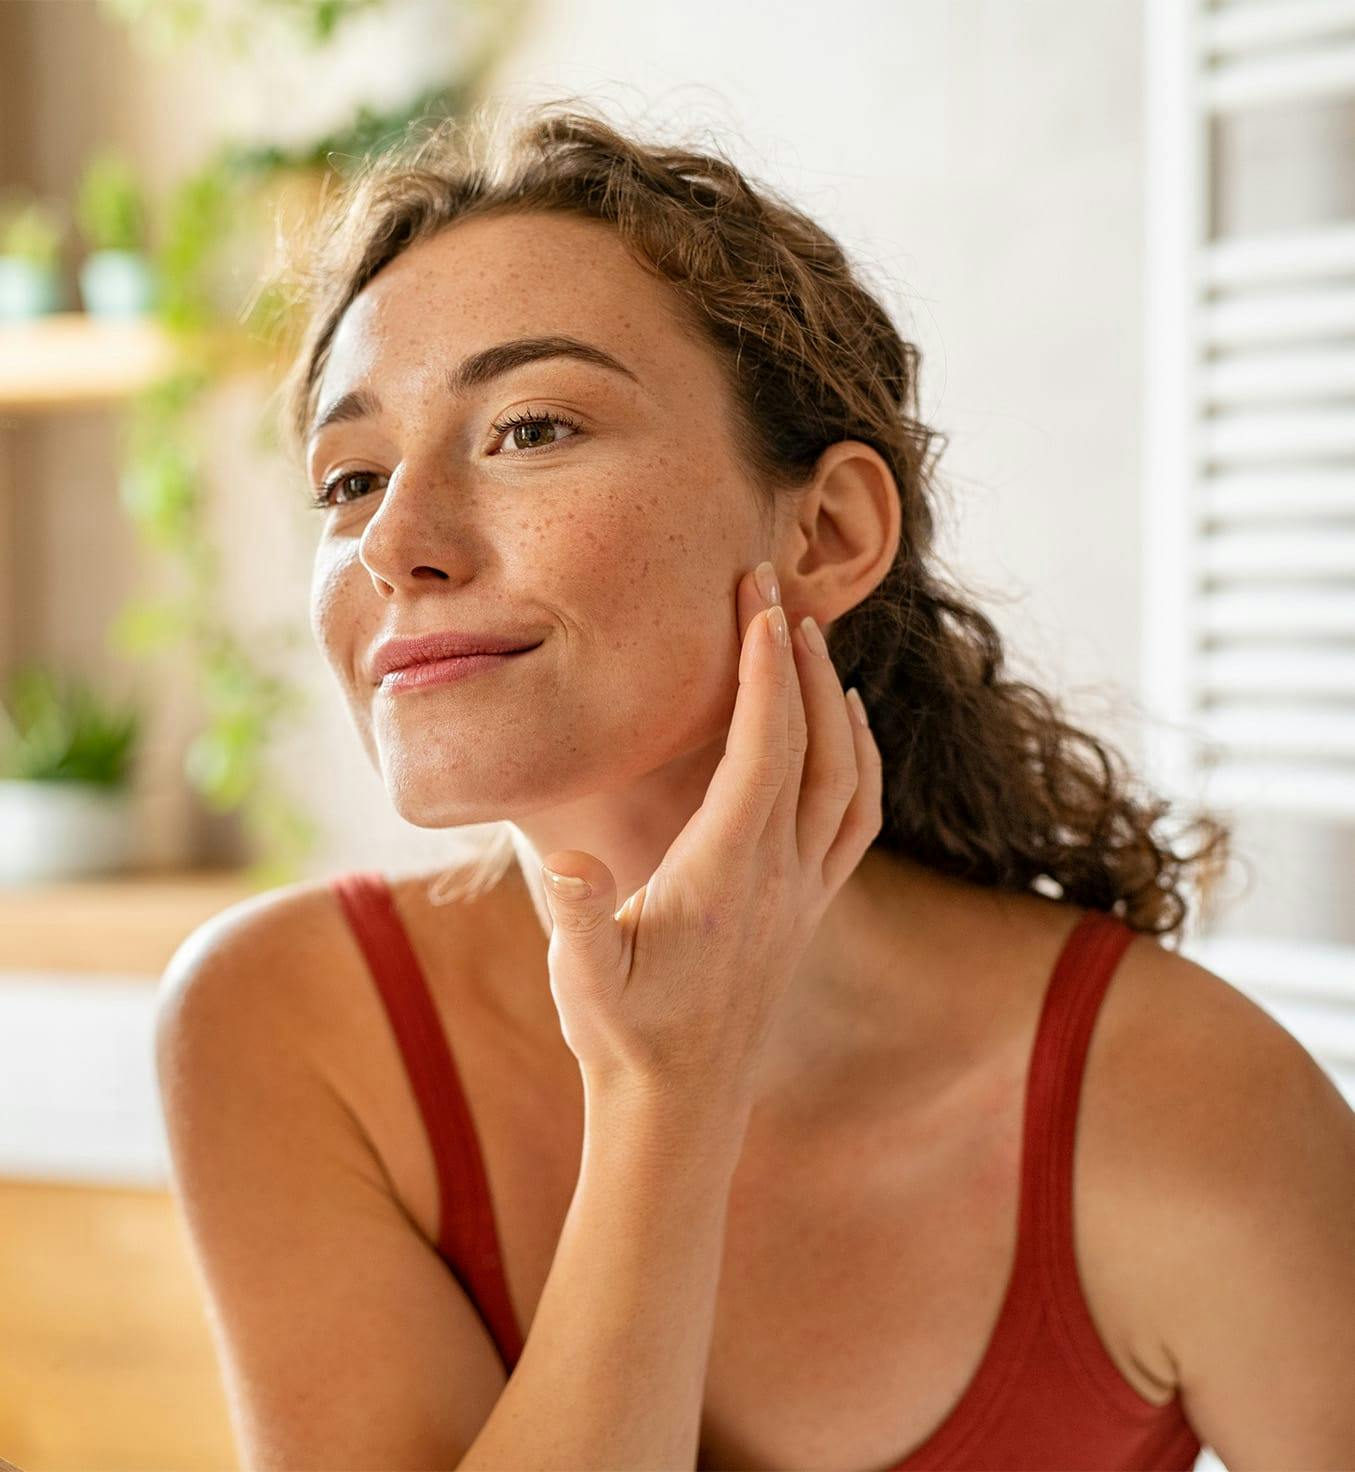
<point x="426" y="804"/>
<point x="424" y="795"/>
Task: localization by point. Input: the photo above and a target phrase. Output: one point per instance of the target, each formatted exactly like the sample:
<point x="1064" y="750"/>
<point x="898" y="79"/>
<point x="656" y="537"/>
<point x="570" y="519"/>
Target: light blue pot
<point x="27" y="289"/>
<point x="117" y="283"/>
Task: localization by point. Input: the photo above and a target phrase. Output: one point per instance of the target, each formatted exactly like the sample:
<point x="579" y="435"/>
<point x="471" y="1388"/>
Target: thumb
<point x="581" y="893"/>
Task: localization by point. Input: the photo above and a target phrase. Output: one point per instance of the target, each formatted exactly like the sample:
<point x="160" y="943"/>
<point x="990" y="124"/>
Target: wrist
<point x="675" y="1125"/>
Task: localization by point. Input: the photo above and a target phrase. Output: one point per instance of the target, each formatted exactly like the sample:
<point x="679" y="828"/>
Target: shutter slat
<point x="1311" y="313"/>
<point x="1260" y="434"/>
<point x="1277" y="612"/>
<point x="1277" y="376"/>
<point x="1326" y="70"/>
<point x="1277" y="258"/>
<point x="1295" y="671"/>
<point x="1258" y="27"/>
<point x="1292" y="732"/>
<point x="1279" y="552"/>
<point x="1274" y="493"/>
<point x="1274" y="785"/>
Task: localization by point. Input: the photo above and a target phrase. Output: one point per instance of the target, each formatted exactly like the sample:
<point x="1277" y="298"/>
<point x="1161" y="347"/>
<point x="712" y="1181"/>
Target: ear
<point x="846" y="532"/>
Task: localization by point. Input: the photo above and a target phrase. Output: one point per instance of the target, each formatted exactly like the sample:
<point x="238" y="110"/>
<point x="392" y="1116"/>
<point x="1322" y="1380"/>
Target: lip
<point x="399" y="654"/>
<point x="445" y="671"/>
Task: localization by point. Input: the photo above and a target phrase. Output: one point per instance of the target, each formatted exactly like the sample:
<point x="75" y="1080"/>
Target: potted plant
<point x="30" y="244"/>
<point x="65" y="764"/>
<point x="116" y="278"/>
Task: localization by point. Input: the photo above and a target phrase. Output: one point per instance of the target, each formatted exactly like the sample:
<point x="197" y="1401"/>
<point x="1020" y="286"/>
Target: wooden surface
<point x="75" y="360"/>
<point x="106" y="1359"/>
<point x="128" y="924"/>
<point x="66" y="359"/>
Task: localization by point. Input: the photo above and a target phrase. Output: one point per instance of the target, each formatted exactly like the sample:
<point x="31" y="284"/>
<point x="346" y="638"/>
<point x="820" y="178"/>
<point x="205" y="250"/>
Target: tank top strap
<point x="467" y="1239"/>
<point x="1058" y="1062"/>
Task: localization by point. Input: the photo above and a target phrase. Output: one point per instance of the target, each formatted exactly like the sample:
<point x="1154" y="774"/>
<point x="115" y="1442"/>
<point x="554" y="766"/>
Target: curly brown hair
<point x="984" y="777"/>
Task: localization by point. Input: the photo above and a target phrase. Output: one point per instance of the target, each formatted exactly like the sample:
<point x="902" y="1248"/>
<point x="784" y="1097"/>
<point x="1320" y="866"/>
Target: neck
<point x="886" y="986"/>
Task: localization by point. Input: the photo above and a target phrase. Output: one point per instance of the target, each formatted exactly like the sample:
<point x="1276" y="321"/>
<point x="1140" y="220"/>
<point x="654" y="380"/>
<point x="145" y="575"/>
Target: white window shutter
<point x="1249" y="490"/>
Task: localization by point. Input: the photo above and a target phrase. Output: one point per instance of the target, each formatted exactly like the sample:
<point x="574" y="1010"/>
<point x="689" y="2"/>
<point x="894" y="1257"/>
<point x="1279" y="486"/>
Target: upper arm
<point x="1260" y="1317"/>
<point x="344" y="1340"/>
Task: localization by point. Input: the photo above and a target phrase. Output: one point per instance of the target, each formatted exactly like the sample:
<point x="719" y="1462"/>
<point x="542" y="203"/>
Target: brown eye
<point x="325" y="495"/>
<point x="529" y="426"/>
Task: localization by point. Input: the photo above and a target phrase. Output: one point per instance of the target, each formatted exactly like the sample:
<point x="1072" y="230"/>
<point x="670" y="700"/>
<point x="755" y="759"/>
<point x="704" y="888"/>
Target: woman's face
<point x="616" y="539"/>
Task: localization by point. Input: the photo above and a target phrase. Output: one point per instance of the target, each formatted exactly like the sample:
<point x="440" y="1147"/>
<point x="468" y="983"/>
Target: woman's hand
<point x="675" y="992"/>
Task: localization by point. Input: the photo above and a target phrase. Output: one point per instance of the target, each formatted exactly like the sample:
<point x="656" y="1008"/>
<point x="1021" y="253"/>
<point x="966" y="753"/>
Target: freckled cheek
<point x="333" y="617"/>
<point x="647" y="556"/>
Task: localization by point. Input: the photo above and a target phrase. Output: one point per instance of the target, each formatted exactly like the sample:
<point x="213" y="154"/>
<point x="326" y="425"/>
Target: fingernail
<point x="814" y="635"/>
<point x="568" y="885"/>
<point x="858" y="707"/>
<point x="766" y="582"/>
<point x="780" y="630"/>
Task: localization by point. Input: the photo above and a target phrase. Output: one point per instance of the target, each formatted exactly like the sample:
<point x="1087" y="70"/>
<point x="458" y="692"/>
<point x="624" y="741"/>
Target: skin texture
<point x="623" y="545"/>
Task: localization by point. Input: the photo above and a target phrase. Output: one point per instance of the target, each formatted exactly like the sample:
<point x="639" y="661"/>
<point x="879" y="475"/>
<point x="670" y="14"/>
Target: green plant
<point x="163" y="24"/>
<point x="30" y="229"/>
<point x="62" y="731"/>
<point x="110" y="209"/>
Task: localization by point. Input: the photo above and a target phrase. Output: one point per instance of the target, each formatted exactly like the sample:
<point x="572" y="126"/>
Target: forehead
<point x="487" y="280"/>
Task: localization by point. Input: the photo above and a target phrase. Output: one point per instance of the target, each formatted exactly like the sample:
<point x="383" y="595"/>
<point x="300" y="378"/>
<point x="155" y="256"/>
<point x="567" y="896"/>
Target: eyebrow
<point x="477" y="369"/>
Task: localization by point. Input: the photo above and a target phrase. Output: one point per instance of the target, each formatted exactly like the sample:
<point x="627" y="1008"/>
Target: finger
<point x="752" y="602"/>
<point x="584" y="922"/>
<point x="781" y="825"/>
<point x="742" y="793"/>
<point x="864" y="818"/>
<point x="831" y="770"/>
<point x="749" y="602"/>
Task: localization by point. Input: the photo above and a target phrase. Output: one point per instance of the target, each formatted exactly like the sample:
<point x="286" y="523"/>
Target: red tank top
<point x="1046" y="1394"/>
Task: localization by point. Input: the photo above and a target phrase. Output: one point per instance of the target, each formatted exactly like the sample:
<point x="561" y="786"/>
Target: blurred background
<point x="1123" y="235"/>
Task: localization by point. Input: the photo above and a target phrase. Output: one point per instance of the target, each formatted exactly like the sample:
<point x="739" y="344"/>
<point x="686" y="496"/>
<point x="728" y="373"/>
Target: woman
<point x="760" y="1152"/>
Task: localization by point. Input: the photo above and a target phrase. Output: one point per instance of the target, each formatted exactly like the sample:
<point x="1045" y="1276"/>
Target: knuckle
<point x="767" y="773"/>
<point x="841" y="782"/>
<point x="589" y="922"/>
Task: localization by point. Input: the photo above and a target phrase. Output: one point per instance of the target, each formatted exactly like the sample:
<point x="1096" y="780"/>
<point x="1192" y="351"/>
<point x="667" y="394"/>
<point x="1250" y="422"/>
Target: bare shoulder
<point x="1232" y="1157"/>
<point x="284" y="970"/>
<point x="269" y="962"/>
<point x="281" y="976"/>
<point x="291" y="950"/>
<point x="1189" y="1049"/>
<point x="1191" y="1077"/>
<point x="261" y="949"/>
<point x="302" y="1237"/>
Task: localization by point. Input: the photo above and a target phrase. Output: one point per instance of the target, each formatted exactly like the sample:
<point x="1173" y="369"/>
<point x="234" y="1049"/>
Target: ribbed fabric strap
<point x="467" y="1239"/>
<point x="1044" y="1256"/>
<point x="1072" y="1006"/>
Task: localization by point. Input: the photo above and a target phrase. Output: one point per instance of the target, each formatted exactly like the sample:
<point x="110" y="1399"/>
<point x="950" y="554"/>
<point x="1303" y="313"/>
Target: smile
<point x="446" y="671"/>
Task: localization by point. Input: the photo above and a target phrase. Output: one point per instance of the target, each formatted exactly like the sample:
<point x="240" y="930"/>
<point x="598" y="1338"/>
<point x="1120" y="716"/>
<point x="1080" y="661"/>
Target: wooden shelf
<point x="128" y="924"/>
<point x="72" y="359"/>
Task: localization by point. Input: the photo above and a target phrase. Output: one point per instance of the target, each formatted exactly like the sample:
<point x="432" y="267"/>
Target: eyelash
<point x="324" y="497"/>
